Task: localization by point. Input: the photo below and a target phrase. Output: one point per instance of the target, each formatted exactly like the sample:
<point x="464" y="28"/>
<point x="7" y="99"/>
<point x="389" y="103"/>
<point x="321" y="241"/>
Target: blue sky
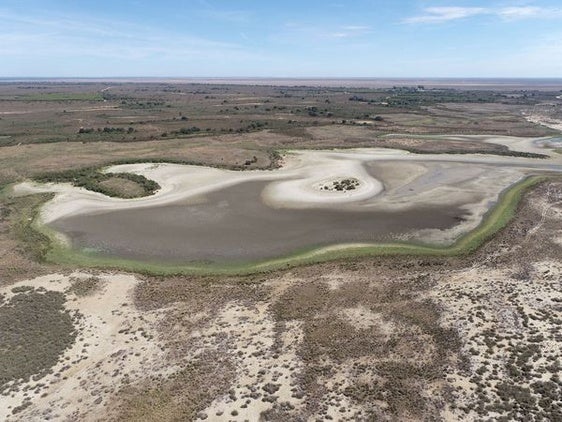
<point x="363" y="38"/>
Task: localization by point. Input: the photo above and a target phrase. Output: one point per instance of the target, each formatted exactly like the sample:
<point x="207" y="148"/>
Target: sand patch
<point x="507" y="320"/>
<point x="115" y="344"/>
<point x="557" y="237"/>
<point x="266" y="366"/>
<point x="545" y="121"/>
<point x="362" y="318"/>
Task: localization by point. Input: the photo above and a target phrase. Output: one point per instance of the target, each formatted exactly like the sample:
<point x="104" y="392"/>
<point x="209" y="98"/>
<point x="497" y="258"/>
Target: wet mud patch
<point x="234" y="225"/>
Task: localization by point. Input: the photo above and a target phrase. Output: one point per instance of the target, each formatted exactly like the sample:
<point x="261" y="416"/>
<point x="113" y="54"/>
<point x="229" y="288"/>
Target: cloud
<point x="520" y="12"/>
<point x="232" y="16"/>
<point x="444" y="14"/>
<point x="525" y="12"/>
<point x="75" y="38"/>
<point x="348" y="31"/>
<point x="357" y="29"/>
<point x="447" y="14"/>
<point x="298" y="31"/>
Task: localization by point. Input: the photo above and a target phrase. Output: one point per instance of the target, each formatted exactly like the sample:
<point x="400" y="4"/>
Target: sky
<point x="289" y="38"/>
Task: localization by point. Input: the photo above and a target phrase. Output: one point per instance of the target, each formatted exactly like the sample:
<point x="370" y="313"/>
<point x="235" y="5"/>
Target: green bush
<point x="35" y="330"/>
<point x="91" y="178"/>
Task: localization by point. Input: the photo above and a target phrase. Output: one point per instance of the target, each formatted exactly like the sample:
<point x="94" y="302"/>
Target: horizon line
<point x="295" y="77"/>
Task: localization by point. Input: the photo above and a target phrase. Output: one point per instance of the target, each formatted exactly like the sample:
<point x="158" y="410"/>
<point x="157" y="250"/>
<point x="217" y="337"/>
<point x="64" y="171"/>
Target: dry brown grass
<point x="144" y="113"/>
<point x="26" y="160"/>
<point x="125" y="188"/>
<point x="180" y="397"/>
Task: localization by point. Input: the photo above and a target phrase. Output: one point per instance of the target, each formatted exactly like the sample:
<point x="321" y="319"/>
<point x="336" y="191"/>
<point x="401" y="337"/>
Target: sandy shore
<point x="297" y="184"/>
<point x="544" y="120"/>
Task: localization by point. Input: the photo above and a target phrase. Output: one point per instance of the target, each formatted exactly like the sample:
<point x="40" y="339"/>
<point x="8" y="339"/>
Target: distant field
<point x="62" y="96"/>
<point x="38" y="112"/>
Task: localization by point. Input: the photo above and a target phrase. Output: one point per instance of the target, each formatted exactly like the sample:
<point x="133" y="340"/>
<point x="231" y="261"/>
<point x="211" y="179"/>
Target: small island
<point x="342" y="185"/>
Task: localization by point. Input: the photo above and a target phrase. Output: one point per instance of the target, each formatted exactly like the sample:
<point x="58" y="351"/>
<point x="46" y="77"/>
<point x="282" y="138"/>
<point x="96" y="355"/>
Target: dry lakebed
<point x="317" y="201"/>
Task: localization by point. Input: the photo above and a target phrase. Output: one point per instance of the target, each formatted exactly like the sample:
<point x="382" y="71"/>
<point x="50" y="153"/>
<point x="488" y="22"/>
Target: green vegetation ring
<point x="495" y="219"/>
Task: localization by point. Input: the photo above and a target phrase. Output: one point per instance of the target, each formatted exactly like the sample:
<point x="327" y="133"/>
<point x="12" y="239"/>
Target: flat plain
<point x="468" y="335"/>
